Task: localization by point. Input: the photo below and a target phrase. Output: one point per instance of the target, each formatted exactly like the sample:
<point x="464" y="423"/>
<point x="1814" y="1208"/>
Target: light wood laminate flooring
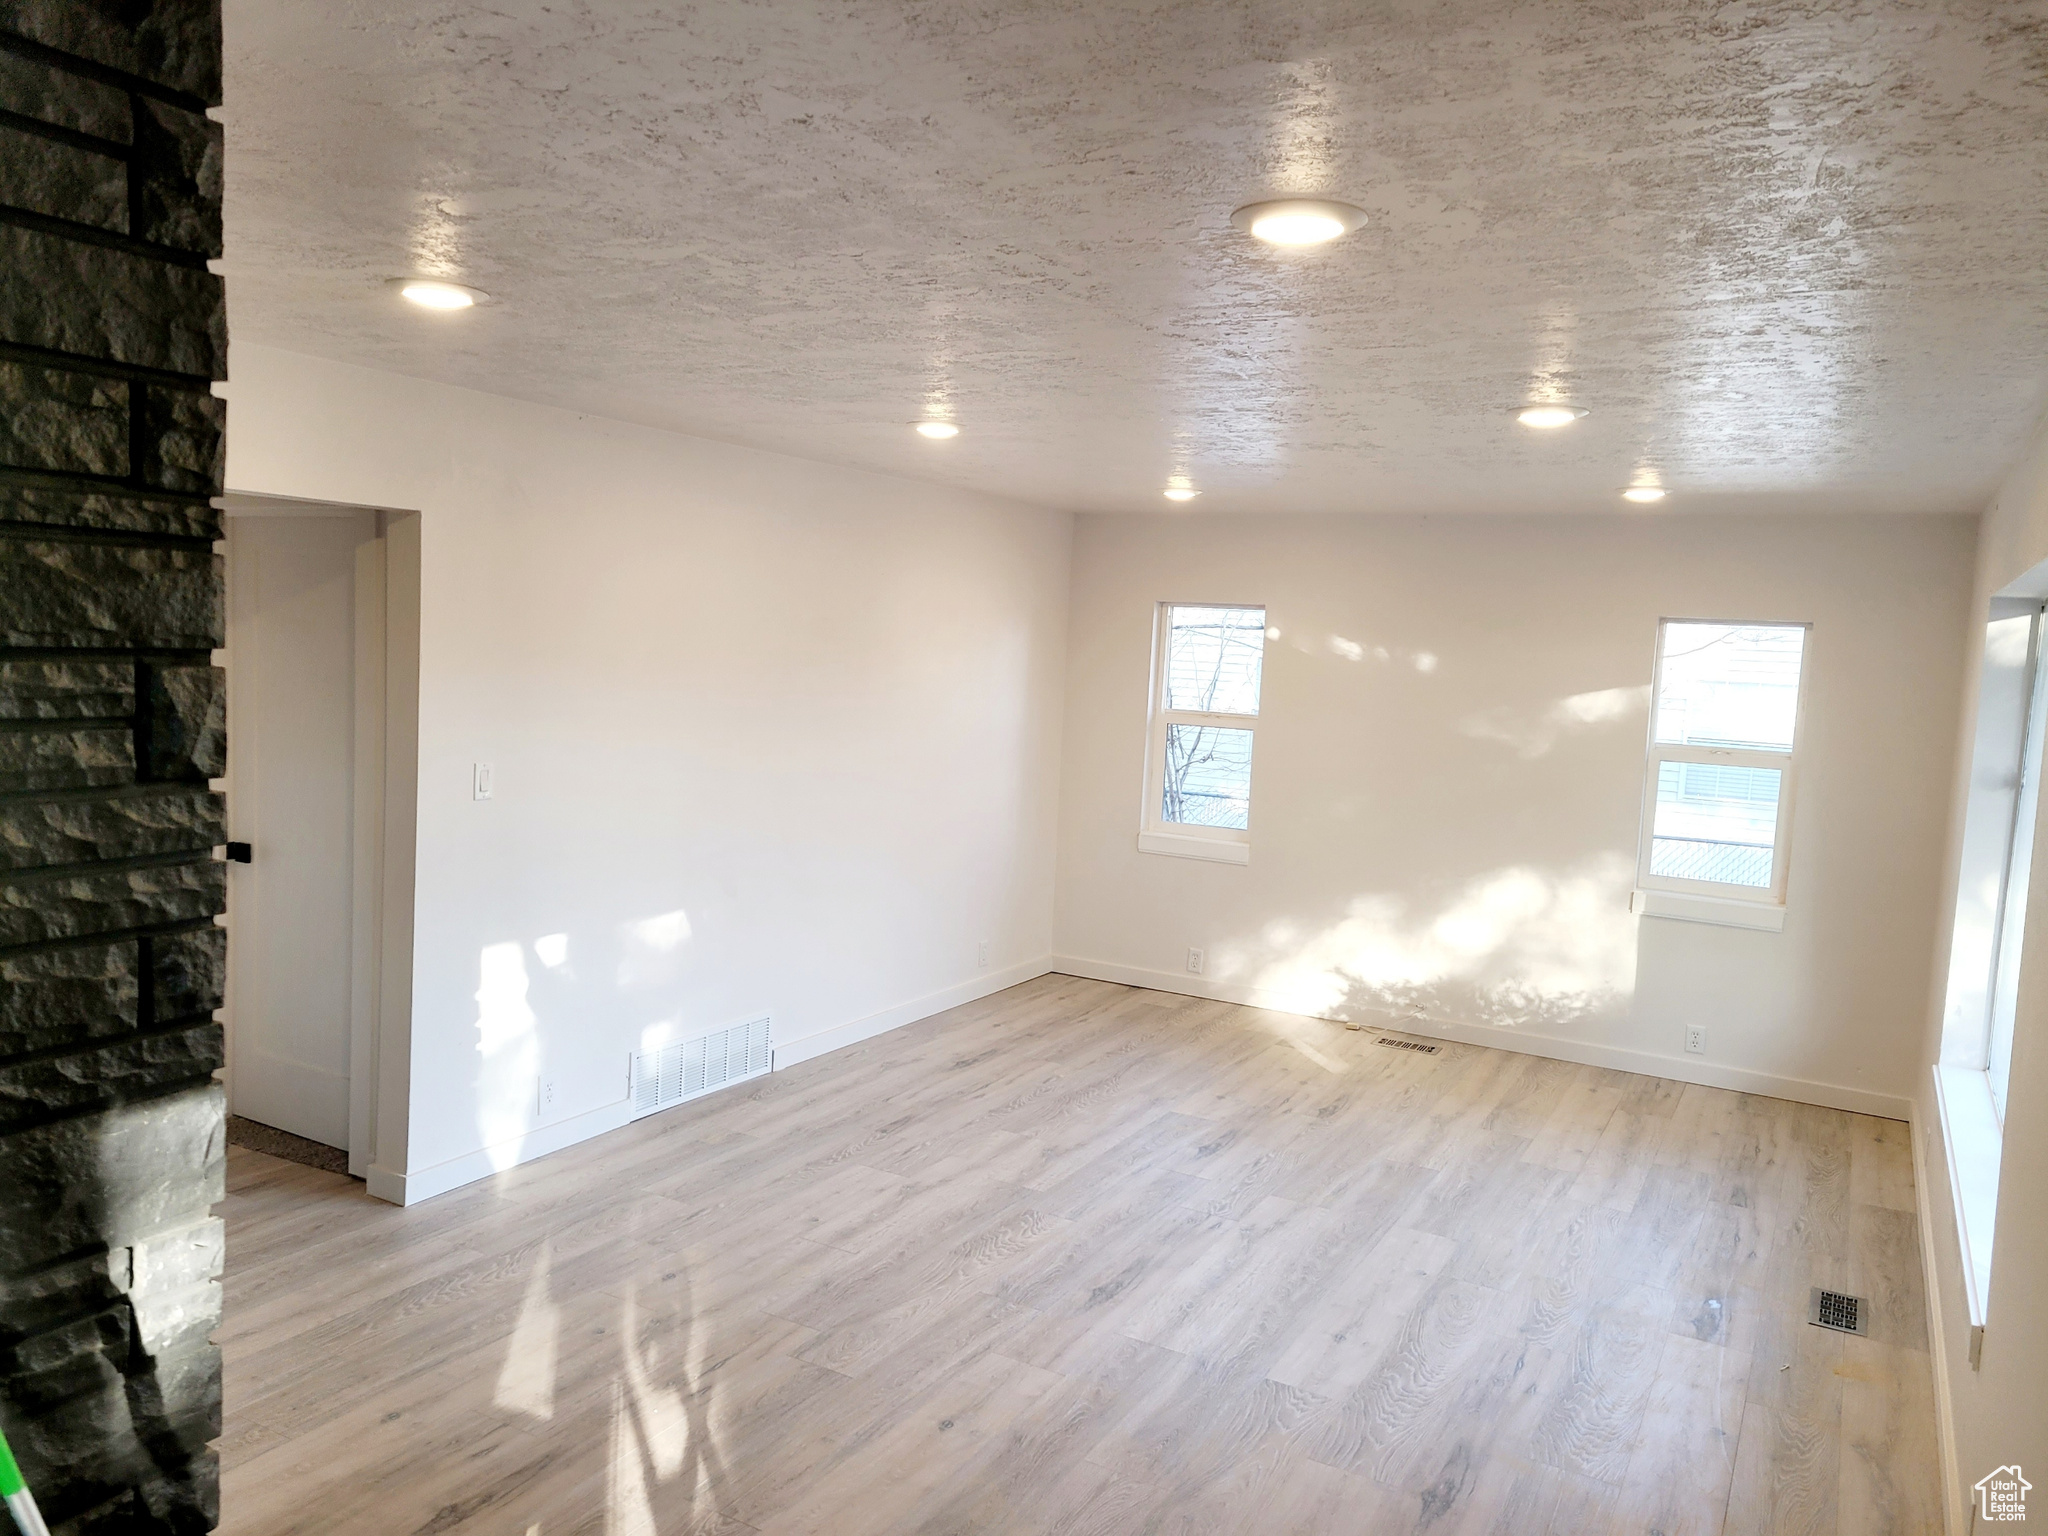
<point x="1081" y="1258"/>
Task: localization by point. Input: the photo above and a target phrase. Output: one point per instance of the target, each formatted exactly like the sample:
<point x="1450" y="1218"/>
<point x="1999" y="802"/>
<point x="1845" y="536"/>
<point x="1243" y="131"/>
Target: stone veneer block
<point x="33" y="1089"/>
<point x="60" y="757"/>
<point x="50" y="998"/>
<point x="60" y="593"/>
<point x="187" y="435"/>
<point x="65" y="100"/>
<point x="178" y="179"/>
<point x="53" y="508"/>
<point x="63" y="180"/>
<point x="148" y="313"/>
<point x="68" y="422"/>
<point x="76" y="1356"/>
<point x="65" y="689"/>
<point x="187" y="728"/>
<point x="87" y="1441"/>
<point x="171" y="43"/>
<point x="97" y="1447"/>
<point x="36" y="907"/>
<point x="122" y="824"/>
<point x="188" y="973"/>
<point x="113" y="1179"/>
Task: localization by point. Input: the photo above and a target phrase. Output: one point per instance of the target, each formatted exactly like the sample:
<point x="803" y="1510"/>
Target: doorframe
<point x="384" y="821"/>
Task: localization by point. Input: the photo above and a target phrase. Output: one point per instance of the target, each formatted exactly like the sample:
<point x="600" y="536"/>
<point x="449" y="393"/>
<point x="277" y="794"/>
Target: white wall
<point x="1997" y="1414"/>
<point x="766" y="734"/>
<point x="1448" y="774"/>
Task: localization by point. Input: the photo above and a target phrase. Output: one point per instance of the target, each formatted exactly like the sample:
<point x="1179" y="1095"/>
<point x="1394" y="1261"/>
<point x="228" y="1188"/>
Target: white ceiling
<point x="1790" y="255"/>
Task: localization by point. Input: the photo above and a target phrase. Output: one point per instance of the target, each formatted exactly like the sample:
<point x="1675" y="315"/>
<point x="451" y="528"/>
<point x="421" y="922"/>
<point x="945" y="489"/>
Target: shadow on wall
<point x="1516" y="948"/>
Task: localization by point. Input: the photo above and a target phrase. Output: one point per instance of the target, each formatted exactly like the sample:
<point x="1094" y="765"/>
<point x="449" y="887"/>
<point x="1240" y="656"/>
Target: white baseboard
<point x="383" y="1184"/>
<point x="1937" y="1339"/>
<point x="1587" y="1053"/>
<point x="789" y="1052"/>
<point x="424" y="1183"/>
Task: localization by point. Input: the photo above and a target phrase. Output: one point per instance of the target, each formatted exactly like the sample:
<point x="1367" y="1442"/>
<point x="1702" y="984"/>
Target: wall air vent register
<point x="689" y="1069"/>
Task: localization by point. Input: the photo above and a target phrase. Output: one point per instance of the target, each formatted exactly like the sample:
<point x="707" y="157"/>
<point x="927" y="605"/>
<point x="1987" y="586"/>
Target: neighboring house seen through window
<point x="1208" y="662"/>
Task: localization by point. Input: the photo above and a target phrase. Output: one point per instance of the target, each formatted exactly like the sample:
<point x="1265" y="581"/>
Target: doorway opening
<point x="323" y="708"/>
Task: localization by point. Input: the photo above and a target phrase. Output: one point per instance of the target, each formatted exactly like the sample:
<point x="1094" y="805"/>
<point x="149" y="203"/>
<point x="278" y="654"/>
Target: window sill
<point x="1974" y="1145"/>
<point x="1724" y="910"/>
<point x="1214" y="849"/>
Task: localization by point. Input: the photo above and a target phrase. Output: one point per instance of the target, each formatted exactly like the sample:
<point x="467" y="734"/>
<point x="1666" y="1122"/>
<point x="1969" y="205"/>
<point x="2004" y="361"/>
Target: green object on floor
<point x="20" y="1502"/>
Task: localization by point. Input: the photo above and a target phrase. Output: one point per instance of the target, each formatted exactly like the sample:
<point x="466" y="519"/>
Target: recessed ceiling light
<point x="1181" y="493"/>
<point x="1549" y="415"/>
<point x="1643" y="493"/>
<point x="1298" y="220"/>
<point x="431" y="293"/>
<point x="936" y="429"/>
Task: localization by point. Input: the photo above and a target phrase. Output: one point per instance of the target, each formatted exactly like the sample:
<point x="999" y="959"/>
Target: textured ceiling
<point x="1790" y="255"/>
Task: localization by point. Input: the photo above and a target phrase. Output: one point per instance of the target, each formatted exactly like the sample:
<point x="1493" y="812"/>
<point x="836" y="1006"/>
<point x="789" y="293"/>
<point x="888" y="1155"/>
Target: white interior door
<point x="291" y="797"/>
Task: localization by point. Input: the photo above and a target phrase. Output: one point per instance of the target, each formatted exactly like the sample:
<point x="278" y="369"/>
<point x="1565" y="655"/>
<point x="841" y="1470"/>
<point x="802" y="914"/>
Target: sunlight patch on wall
<point x="659" y="1033"/>
<point x="1516" y="948"/>
<point x="510" y="1050"/>
<point x="1532" y="735"/>
<point x="663" y="933"/>
<point x="1357" y="650"/>
<point x="552" y="950"/>
<point x="653" y="949"/>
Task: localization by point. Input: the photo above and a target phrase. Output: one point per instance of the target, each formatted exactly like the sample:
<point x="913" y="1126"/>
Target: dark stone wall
<point x="112" y="721"/>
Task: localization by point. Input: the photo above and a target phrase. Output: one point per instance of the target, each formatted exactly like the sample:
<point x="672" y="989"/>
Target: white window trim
<point x="1220" y="845"/>
<point x="1180" y="846"/>
<point x="1692" y="908"/>
<point x="1965" y="1099"/>
<point x="1974" y="1144"/>
<point x="1715" y="901"/>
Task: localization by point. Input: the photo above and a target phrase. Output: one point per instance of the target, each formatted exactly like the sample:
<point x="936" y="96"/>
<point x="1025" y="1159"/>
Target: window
<point x="1207" y="663"/>
<point x="1718" y="796"/>
<point x="2023" y="636"/>
<point x="1985" y="948"/>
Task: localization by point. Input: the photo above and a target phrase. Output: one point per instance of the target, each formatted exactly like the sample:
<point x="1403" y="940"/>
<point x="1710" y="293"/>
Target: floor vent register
<point x="1834" y="1309"/>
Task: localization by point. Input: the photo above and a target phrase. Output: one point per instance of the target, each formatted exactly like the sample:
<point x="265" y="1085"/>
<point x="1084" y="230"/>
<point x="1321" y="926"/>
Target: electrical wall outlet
<point x="543" y="1098"/>
<point x="1696" y="1039"/>
<point x="1195" y="962"/>
<point x="981" y="954"/>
